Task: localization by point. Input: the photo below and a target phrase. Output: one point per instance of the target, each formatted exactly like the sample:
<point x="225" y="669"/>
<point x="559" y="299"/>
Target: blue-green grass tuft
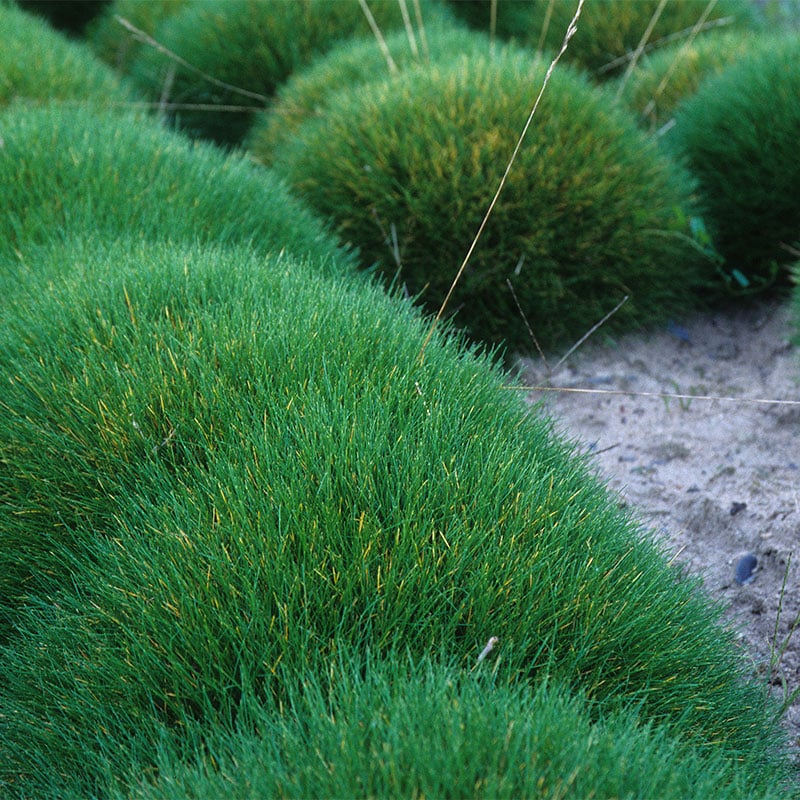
<point x="592" y="210"/>
<point x="117" y="45"/>
<point x="406" y="729"/>
<point x="252" y="45"/>
<point x="674" y="73"/>
<point x="38" y="64"/>
<point x="68" y="172"/>
<point x="738" y="135"/>
<point x="220" y="471"/>
<point x="353" y="62"/>
<point x="608" y="31"/>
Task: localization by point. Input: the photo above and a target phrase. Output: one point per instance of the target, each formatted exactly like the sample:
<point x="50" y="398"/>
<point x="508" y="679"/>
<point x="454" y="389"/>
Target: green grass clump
<point x="591" y="212"/>
<point x="68" y="171"/>
<point x="252" y="45"/>
<point x="609" y="31"/>
<point x="422" y="730"/>
<point x="38" y="64"/>
<point x="661" y="81"/>
<point x="220" y="472"/>
<point x="351" y="63"/>
<point x="781" y="13"/>
<point x="738" y="135"/>
<point x="115" y="44"/>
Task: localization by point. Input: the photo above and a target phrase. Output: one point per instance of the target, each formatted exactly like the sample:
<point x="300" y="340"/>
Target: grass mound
<point x="71" y="172"/>
<point x="222" y="471"/>
<point x="739" y="136"/>
<point x="251" y="45"/>
<point x="591" y="212"/>
<point x="37" y="64"/>
<point x="354" y="62"/>
<point x="674" y="73"/>
<point x="421" y="730"/>
<point x="115" y="44"/>
<point x="609" y="31"/>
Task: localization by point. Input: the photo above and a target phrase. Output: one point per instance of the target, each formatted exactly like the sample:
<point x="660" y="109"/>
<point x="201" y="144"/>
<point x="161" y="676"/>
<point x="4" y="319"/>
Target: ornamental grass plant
<point x="253" y="46"/>
<point x="352" y="63"/>
<point x="224" y="474"/>
<point x="117" y="45"/>
<point x="591" y="213"/>
<point x="406" y="729"/>
<point x="674" y="73"/>
<point x="38" y="64"/>
<point x="738" y="134"/>
<point x="69" y="172"/>
<point x="610" y="31"/>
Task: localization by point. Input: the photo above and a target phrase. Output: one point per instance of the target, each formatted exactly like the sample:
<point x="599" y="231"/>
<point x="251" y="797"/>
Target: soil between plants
<point x="717" y="479"/>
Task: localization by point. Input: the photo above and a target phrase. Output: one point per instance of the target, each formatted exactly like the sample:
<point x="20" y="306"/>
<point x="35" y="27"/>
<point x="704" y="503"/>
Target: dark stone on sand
<point x="745" y="569"/>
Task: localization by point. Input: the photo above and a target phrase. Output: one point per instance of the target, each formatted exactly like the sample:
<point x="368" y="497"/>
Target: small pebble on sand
<point x="745" y="569"/>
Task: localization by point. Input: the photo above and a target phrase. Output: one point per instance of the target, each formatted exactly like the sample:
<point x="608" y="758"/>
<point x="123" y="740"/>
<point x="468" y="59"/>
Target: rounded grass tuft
<point x="220" y="471"/>
<point x="427" y="730"/>
<point x="70" y="172"/>
<point x="252" y="45"/>
<point x="609" y="31"/>
<point x="38" y="64"/>
<point x="592" y="211"/>
<point x="117" y="45"/>
<point x="305" y="94"/>
<point x="674" y="73"/>
<point x="738" y="135"/>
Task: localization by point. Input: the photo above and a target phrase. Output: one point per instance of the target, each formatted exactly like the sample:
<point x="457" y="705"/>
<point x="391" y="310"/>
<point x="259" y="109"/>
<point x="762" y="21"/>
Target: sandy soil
<point x="718" y="479"/>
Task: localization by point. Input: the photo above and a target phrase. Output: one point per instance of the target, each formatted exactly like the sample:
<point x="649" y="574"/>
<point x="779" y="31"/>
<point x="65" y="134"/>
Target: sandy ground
<point x="718" y="479"/>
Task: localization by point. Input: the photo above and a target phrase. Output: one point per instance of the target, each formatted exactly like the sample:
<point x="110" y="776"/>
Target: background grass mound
<point x="72" y="172"/>
<point x="251" y="45"/>
<point x="661" y="81"/>
<point x="609" y="31"/>
<point x="423" y="730"/>
<point x="739" y="136"/>
<point x="591" y="212"/>
<point x="39" y="64"/>
<point x="305" y="94"/>
<point x="115" y="44"/>
<point x="221" y="472"/>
